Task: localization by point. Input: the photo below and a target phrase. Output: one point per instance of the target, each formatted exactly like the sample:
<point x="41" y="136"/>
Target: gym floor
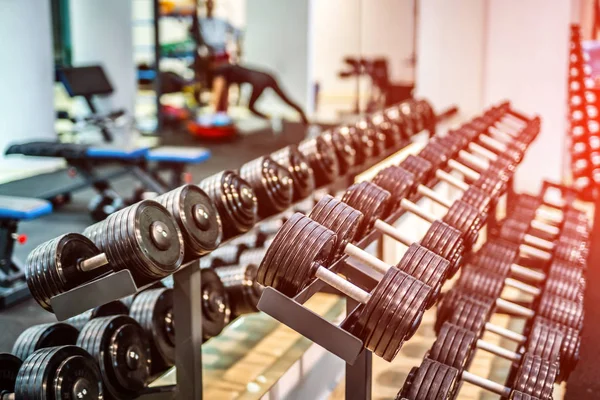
<point x="74" y="217"/>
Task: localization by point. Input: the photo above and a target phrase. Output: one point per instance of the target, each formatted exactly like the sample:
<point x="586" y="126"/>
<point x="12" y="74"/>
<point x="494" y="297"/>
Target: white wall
<point x="279" y="38"/>
<point x="352" y="27"/>
<point x="102" y="33"/>
<point x="27" y="71"/>
<point x="450" y="53"/>
<point x="478" y="52"/>
<point x="527" y="64"/>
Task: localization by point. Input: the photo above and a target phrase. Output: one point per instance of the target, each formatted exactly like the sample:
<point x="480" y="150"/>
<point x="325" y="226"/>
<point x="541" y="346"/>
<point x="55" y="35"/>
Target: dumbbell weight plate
<point x="426" y="266"/>
<point x="197" y="218"/>
<point x="120" y="347"/>
<point x="535" y="376"/>
<point x="413" y="313"/>
<point x="43" y="336"/>
<point x="384" y="318"/>
<point x="297" y="165"/>
<point x="398" y="181"/>
<point x="266" y="271"/>
<point x="371" y="312"/>
<point x="153" y="310"/>
<point x="53" y="267"/>
<point x="216" y="312"/>
<point x="235" y="201"/>
<point x="272" y="184"/>
<point x="418" y="385"/>
<point x="240" y="284"/>
<point x="340" y="140"/>
<point x="445" y="241"/>
<point x="322" y="159"/>
<point x="316" y="242"/>
<point x="466" y="219"/>
<point x="9" y="368"/>
<point x="420" y="168"/>
<point x="59" y="373"/>
<point x="406" y="318"/>
<point x="393" y="134"/>
<point x="367" y="196"/>
<point x="340" y="218"/>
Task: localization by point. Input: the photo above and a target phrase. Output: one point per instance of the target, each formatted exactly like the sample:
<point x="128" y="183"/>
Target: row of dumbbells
<point x="547" y="349"/>
<point x="583" y="118"/>
<point x="152" y="238"/>
<point x="306" y="246"/>
<point x="115" y="349"/>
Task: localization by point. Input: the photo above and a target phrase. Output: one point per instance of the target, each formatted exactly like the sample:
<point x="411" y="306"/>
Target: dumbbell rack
<point x="188" y="311"/>
<point x="291" y="312"/>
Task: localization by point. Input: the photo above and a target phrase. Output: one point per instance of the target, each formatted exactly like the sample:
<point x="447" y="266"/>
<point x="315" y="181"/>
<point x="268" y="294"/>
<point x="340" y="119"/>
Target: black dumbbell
<point x="153" y="310"/>
<point x="462" y="216"/>
<point x="9" y="368"/>
<point x="116" y="307"/>
<point x="365" y="127"/>
<point x="272" y="184"/>
<point x="340" y="139"/>
<point x="299" y="255"/>
<point x="63" y="372"/>
<point x="417" y="261"/>
<point x="297" y="165"/>
<point x="196" y="217"/>
<point x="394" y="136"/>
<point x="143" y="238"/>
<point x="534" y="377"/>
<point x="43" y="336"/>
<point x="121" y="349"/>
<point x="240" y="284"/>
<point x="216" y="309"/>
<point x="560" y="278"/>
<point x="372" y="201"/>
<point x="61" y="264"/>
<point x="559" y="213"/>
<point x="482" y="194"/>
<point x="489" y="284"/>
<point x="235" y="201"/>
<point x="322" y="158"/>
<point x="517" y="231"/>
<point x="473" y="313"/>
<point x="363" y="145"/>
<point x="455" y="346"/>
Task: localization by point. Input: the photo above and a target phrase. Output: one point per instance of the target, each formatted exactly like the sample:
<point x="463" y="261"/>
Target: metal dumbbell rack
<point x="291" y="312"/>
<point x="188" y="310"/>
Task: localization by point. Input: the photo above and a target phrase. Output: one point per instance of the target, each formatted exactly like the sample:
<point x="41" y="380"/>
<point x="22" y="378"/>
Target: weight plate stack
<point x="153" y="310"/>
<point x="9" y="368"/>
<point x="120" y="348"/>
<point x="374" y="135"/>
<point x="297" y="165"/>
<point x="322" y="158"/>
<point x="398" y="181"/>
<point x="196" y="217"/>
<point x="339" y="138"/>
<point x="420" y="168"/>
<point x="272" y="184"/>
<point x="53" y="267"/>
<point x="64" y="372"/>
<point x="143" y="238"/>
<point x="216" y="311"/>
<point x="235" y="201"/>
<point x="373" y="202"/>
<point x="393" y="134"/>
<point x="43" y="336"/>
<point x="242" y="289"/>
